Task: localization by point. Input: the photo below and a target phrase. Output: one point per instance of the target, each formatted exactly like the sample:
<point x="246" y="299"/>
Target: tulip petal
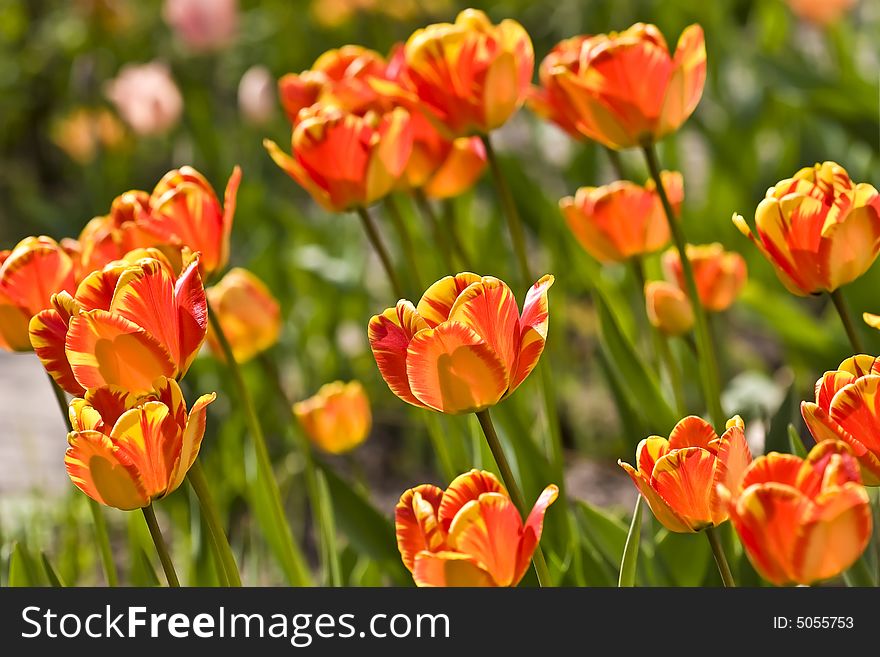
<point x="101" y="408"/>
<point x="296" y="171"/>
<point x="501" y="91"/>
<point x="692" y="431"/>
<point x="773" y="467"/>
<point x="192" y="314"/>
<point x="684" y="479"/>
<point x="13" y="325"/>
<point x="48" y="333"/>
<point x="686" y="83"/>
<point x="533" y="326"/>
<point x="416" y="523"/>
<point x="437" y="301"/>
<point x="390" y="334"/>
<point x="488" y="530"/>
<point x="151" y="439"/>
<point x="648" y="452"/>
<point x="449" y="569"/>
<point x="466" y="488"/>
<point x="192" y="440"/>
<point x="856" y="408"/>
<point x="533" y="529"/>
<point x="732" y="460"/>
<point x="100" y="471"/>
<point x="664" y="513"/>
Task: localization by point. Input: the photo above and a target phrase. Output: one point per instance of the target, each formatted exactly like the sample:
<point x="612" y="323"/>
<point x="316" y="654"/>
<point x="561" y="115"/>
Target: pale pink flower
<point x="203" y="25"/>
<point x="146" y="97"/>
<point x="256" y="95"/>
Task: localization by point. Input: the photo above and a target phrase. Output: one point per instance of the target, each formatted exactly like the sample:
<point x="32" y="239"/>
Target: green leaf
<point x="52" y="574"/>
<point x="22" y="570"/>
<point x="328" y="531"/>
<point x="795" y="444"/>
<point x="684" y="557"/>
<point x="631" y="549"/>
<point x="778" y="435"/>
<point x="606" y="532"/>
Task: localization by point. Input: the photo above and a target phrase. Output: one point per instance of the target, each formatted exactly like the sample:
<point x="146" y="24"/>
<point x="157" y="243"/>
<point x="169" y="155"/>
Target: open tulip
<point x="30" y="274"/>
<point x="127" y="325"/>
<point x="337" y="419"/>
<point x="802" y="520"/>
<point x="247" y="312"/>
<point x="818" y="229"/>
<point x="343" y="160"/>
<point x="465" y="346"/>
<point x="720" y="275"/>
<point x="847" y="408"/>
<point x="471" y="534"/>
<point x="127" y="450"/>
<point x="679" y="477"/>
<point x="668" y="308"/>
<point x="622" y="89"/>
<point x="621" y="220"/>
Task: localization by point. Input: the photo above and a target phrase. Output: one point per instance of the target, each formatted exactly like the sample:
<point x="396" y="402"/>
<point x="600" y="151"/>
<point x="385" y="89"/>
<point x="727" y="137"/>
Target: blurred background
<point x="101" y="96"/>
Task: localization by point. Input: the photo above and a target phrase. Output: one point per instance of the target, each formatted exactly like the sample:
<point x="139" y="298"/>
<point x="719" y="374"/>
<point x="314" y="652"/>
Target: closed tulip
<point x="720" y="275"/>
<point x="109" y="237"/>
<point x="847" y="408"/>
<point x="618" y="221"/>
<point x="127" y="325"/>
<point x="30" y="274"/>
<point x="679" y="477"/>
<point x="471" y="534"/>
<point x="337" y="419"/>
<point x="802" y="520"/>
<point x="622" y="89"/>
<point x="818" y="229"/>
<point x="127" y="450"/>
<point x="465" y="346"/>
<point x="668" y="308"/>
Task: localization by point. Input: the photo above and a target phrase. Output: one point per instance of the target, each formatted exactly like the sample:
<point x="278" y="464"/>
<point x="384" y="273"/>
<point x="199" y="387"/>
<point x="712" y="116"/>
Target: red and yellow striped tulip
<point x="818" y="229"/>
<point x="847" y="408"/>
<point x="720" y="275"/>
<point x="668" y="307"/>
<point x="465" y="346"/>
<point x="248" y="313"/>
<point x="109" y="237"/>
<point x="679" y="477"/>
<point x="127" y="325"/>
<point x="468" y="77"/>
<point x="471" y="534"/>
<point x="337" y="419"/>
<point x="622" y="89"/>
<point x="128" y="450"/>
<point x="30" y="274"/>
<point x="346" y="161"/>
<point x="802" y="520"/>
<point x="618" y="221"/>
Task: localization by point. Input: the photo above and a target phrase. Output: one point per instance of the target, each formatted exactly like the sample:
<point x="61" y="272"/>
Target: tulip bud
<point x="337" y="419"/>
<point x="668" y="307"/>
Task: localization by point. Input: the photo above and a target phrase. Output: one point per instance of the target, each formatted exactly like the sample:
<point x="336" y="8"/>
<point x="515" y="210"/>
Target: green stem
<point x="433" y="220"/>
<point x="616" y="163"/>
<point x="101" y="534"/>
<point x="720" y="558"/>
<point x="406" y="242"/>
<point x="843" y="310"/>
<point x="377" y="244"/>
<point x="161" y="547"/>
<point x="290" y="556"/>
<point x="510" y="483"/>
<point x="199" y="483"/>
<point x="859" y="574"/>
<point x="707" y="363"/>
<point x="451" y="224"/>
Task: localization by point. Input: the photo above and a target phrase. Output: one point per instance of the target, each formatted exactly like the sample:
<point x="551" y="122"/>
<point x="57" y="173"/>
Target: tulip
<point x="30" y="274"/>
<point x="128" y="450"/>
<point x="469" y="535"/>
<point x="84" y="132"/>
<point x="109" y="237"/>
<point x="146" y="97"/>
<point x="621" y="220"/>
<point x="203" y="25"/>
<point x="818" y="229"/>
<point x="256" y="95"/>
<point x="802" y="520"/>
<point x="346" y="161"/>
<point x="679" y="477"/>
<point x="467" y="77"/>
<point x="821" y="12"/>
<point x="622" y="89"/>
<point x="720" y="275"/>
<point x="847" y="409"/>
<point x="337" y="419"/>
<point x="464" y="347"/>
<point x="668" y="308"/>
<point x="126" y="325"/>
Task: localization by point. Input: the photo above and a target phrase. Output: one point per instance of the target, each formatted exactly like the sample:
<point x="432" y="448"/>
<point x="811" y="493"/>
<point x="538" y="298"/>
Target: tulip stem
<point x="706" y="360"/>
<point x="510" y="483"/>
<point x="843" y="310"/>
<point x="101" y="534"/>
<point x="616" y="163"/>
<point x="289" y="553"/>
<point x="720" y="558"/>
<point x="406" y="242"/>
<point x="161" y="547"/>
<point x="378" y="246"/>
<point x="430" y="216"/>
<point x="196" y="478"/>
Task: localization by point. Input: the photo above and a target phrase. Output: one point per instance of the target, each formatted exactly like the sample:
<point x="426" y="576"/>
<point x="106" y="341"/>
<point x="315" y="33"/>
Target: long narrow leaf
<point x="631" y="549"/>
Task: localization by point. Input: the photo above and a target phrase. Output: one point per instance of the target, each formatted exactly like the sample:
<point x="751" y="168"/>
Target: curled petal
<point x="437" y="301"/>
<point x="466" y="488"/>
<point x="533" y="529"/>
<point x="533" y="330"/>
<point x="192" y="440"/>
<point x="648" y="452"/>
<point x="390" y="335"/>
<point x="100" y="471"/>
<point x="416" y="523"/>
<point x="48" y="333"/>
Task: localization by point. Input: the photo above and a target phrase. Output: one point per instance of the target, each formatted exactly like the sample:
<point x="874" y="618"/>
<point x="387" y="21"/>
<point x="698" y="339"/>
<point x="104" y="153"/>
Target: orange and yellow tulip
<point x="467" y="77"/>
<point x="668" y="307"/>
<point x="471" y="534"/>
<point x="465" y="346"/>
<point x="720" y="275"/>
<point x="622" y="89"/>
<point x="127" y="325"/>
<point x="248" y="313"/>
<point x="109" y="237"/>
<point x="343" y="160"/>
<point x="337" y="419"/>
<point x="30" y="274"/>
<point x="818" y="229"/>
<point x="802" y="520"/>
<point x="679" y="477"/>
<point x="128" y="450"/>
<point x="621" y="220"/>
<point x="847" y="408"/>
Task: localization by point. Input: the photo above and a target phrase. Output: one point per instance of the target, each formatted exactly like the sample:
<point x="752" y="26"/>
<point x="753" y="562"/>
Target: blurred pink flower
<point x="146" y="97"/>
<point x="821" y="12"/>
<point x="203" y="25"/>
<point x="256" y="95"/>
